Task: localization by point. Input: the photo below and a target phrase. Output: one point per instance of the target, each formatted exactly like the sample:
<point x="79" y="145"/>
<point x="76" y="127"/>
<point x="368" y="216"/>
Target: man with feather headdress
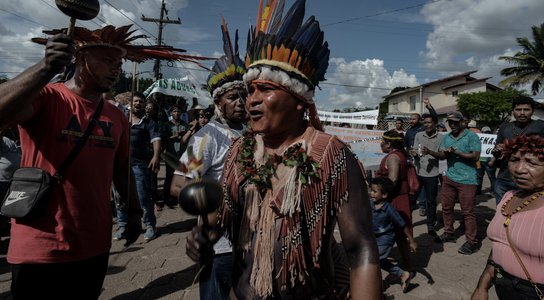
<point x="287" y="184"/>
<point x="49" y="253"/>
<point x="212" y="142"/>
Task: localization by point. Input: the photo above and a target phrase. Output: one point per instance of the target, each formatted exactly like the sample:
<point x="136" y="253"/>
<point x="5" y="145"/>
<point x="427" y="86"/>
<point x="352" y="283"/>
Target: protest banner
<point x="173" y="87"/>
<point x="366" y="144"/>
<point x="369" y="117"/>
<point x="179" y="87"/>
<point x="488" y="143"/>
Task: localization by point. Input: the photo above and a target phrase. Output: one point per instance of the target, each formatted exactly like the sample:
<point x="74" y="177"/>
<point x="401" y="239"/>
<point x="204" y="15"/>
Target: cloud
<point x="360" y="83"/>
<point x="472" y="34"/>
<point x="27" y="19"/>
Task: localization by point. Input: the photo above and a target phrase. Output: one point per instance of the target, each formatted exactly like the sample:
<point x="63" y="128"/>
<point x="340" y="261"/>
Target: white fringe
<point x="294" y="85"/>
<point x="292" y="191"/>
<point x="220" y="90"/>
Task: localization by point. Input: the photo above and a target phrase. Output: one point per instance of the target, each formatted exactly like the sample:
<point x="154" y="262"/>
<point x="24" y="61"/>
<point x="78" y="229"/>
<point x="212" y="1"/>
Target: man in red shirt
<point x="63" y="254"/>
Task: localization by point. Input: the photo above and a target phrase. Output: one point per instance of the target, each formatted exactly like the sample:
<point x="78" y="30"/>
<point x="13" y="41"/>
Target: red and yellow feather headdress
<point x="288" y="51"/>
<point x="228" y="70"/>
<point x="121" y="38"/>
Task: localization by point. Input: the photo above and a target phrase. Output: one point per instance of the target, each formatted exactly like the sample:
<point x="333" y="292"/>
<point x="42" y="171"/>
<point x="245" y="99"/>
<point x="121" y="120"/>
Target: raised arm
<point x="429" y="107"/>
<point x="355" y="224"/>
<point x="18" y="94"/>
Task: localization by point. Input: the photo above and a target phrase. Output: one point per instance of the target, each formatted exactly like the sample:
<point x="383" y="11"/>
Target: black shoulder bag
<point x="28" y="193"/>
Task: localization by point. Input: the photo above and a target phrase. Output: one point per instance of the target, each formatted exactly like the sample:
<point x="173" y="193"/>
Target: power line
<point x="379" y="14"/>
<point x="161" y="21"/>
<point x="56" y="9"/>
<point x="130" y="19"/>
<point x="12" y="13"/>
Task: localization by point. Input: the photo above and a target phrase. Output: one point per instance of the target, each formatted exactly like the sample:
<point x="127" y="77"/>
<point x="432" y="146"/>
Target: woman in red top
<point x="395" y="166"/>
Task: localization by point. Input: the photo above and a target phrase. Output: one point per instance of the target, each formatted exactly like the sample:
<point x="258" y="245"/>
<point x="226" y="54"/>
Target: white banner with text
<point x="369" y="117"/>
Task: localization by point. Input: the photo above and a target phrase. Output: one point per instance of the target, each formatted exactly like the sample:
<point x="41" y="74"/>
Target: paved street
<point x="161" y="270"/>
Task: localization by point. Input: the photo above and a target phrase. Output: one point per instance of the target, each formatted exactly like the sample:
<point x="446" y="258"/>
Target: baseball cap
<point x="486" y="129"/>
<point x="472" y="124"/>
<point x="455" y="116"/>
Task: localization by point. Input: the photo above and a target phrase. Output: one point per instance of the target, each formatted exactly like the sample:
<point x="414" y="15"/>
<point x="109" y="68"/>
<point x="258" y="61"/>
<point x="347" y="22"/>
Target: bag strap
<point x="80" y="143"/>
<point x="529" y="278"/>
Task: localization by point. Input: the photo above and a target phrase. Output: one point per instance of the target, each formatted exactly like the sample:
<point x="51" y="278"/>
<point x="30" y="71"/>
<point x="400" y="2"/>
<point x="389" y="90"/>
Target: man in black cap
<point x="461" y="148"/>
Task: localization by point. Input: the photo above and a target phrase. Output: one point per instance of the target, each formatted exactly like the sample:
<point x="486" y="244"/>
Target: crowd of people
<point x="286" y="184"/>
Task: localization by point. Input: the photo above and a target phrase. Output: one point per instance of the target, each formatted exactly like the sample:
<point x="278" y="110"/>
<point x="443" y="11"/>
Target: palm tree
<point x="529" y="62"/>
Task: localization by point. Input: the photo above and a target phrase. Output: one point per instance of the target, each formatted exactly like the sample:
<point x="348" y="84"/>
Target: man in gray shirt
<point x="427" y="166"/>
<point x="523" y="108"/>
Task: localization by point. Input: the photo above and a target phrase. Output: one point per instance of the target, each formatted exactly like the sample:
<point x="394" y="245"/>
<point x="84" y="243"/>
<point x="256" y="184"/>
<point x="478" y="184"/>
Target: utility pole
<point x="161" y="21"/>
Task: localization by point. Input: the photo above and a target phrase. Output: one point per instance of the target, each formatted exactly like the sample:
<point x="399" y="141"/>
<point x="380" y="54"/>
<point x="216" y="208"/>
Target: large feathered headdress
<point x="229" y="69"/>
<point x="121" y="38"/>
<point x="288" y="51"/>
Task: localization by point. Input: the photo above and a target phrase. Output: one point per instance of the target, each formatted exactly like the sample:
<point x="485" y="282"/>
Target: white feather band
<point x="227" y="87"/>
<point x="278" y="76"/>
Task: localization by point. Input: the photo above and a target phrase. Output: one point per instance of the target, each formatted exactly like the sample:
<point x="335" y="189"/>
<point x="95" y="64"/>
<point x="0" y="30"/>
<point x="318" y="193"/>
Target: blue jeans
<point x="142" y="176"/>
<point x="429" y="190"/>
<point x="216" y="278"/>
<point x="386" y="263"/>
<point x="502" y="186"/>
<point x="485" y="169"/>
<point x="421" y="196"/>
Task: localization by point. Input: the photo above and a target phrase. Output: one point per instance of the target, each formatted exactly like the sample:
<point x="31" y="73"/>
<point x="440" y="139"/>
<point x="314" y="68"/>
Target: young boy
<point x="385" y="219"/>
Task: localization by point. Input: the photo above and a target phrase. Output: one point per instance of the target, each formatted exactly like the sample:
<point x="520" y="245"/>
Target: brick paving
<point x="160" y="269"/>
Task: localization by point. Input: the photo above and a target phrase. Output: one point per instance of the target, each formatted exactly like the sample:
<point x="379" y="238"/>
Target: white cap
<point x="472" y="124"/>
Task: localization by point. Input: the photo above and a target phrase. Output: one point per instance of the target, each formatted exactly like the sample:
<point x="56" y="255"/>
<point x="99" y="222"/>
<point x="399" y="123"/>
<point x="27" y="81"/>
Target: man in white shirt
<point x="211" y="145"/>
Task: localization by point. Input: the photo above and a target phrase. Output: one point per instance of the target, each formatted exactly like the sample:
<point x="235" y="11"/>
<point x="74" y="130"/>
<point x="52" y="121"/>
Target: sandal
<point x="405" y="285"/>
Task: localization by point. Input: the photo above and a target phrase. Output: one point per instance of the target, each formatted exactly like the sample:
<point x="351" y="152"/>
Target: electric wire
<point x="380" y="13"/>
<point x="27" y="19"/>
<point x="135" y="23"/>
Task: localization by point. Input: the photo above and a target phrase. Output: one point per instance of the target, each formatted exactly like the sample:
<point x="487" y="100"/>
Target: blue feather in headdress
<point x="228" y="67"/>
<point x="292" y="20"/>
<point x="288" y="39"/>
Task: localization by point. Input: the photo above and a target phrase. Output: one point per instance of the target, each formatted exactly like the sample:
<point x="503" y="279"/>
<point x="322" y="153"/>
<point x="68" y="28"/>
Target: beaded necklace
<point x="294" y="157"/>
<point x="519" y="208"/>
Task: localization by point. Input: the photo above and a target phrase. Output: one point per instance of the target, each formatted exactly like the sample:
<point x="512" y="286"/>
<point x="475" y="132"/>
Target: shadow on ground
<point x="163" y="286"/>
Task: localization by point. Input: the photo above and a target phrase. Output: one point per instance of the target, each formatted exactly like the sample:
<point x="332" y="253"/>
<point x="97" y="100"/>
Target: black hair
<point x="139" y="95"/>
<point x="433" y="117"/>
<point x="395" y="138"/>
<point x="523" y="100"/>
<point x="386" y="185"/>
<point x="416" y="114"/>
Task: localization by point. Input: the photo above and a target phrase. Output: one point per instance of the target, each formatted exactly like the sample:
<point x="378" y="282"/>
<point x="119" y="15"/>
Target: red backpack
<point x="413" y="181"/>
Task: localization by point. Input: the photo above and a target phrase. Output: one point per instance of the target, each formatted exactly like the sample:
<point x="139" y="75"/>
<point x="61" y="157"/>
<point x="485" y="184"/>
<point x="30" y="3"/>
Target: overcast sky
<point x="375" y="45"/>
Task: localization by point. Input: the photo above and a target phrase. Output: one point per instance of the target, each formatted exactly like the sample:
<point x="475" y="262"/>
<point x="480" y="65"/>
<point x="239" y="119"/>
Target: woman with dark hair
<point x="517" y="256"/>
<point x="395" y="166"/>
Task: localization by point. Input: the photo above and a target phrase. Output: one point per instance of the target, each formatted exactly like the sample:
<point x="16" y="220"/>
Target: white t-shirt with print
<point x="211" y="143"/>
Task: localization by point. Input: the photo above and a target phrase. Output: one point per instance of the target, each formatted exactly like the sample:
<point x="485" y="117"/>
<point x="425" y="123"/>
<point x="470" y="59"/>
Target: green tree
<point x="124" y="83"/>
<point x="529" y="62"/>
<point x="490" y="108"/>
<point x="398" y="89"/>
